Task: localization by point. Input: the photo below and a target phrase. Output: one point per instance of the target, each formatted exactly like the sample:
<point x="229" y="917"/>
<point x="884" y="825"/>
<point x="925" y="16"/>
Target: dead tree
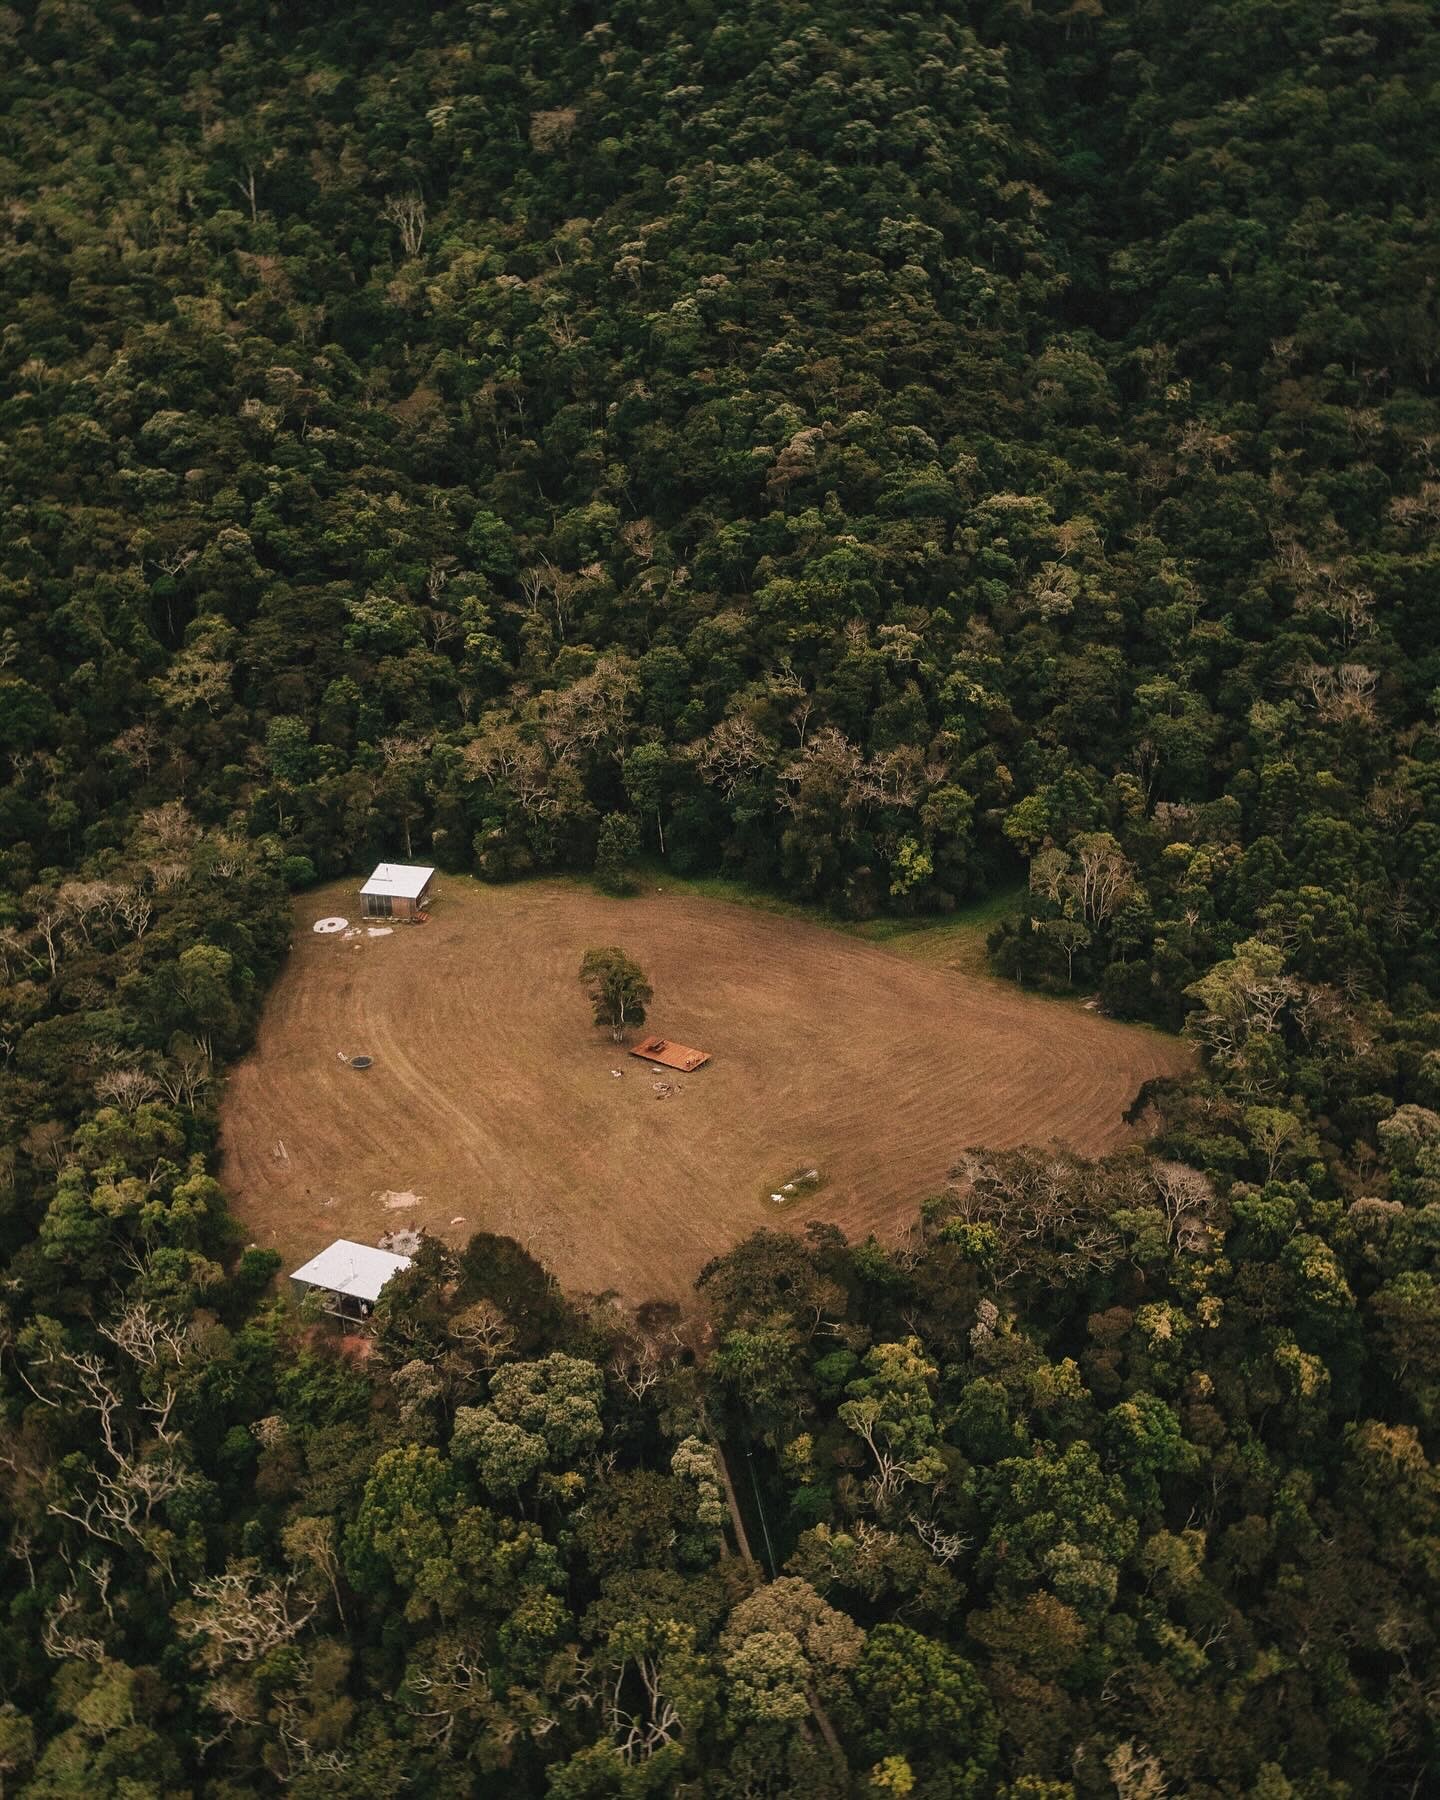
<point x="406" y="212"/>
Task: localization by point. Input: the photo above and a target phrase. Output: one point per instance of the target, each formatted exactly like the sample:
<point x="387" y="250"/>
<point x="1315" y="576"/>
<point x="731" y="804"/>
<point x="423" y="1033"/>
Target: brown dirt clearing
<point x="493" y="1104"/>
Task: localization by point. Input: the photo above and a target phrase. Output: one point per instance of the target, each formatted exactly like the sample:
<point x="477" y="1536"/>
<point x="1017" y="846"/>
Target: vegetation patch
<point x="802" y="1183"/>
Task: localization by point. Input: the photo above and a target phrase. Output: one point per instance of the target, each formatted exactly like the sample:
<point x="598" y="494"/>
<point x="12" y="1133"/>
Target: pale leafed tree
<point x="1241" y="998"/>
<point x="1136" y="1773"/>
<point x="48" y="919"/>
<point x="16" y="955"/>
<point x="553" y="129"/>
<point x="312" y="1549"/>
<point x="195" y="678"/>
<point x="830" y="769"/>
<point x="1186" y="1196"/>
<point x="549" y="594"/>
<point x="167" y="829"/>
<point x="138" y="744"/>
<point x="1337" y="595"/>
<point x="1049" y="875"/>
<point x="1103" y="876"/>
<point x="593" y="714"/>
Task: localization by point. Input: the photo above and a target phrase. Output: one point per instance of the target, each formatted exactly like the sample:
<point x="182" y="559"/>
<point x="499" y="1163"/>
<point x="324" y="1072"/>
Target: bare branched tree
<point x="185" y="1073"/>
<point x="126" y="1088"/>
<point x="406" y="212"/>
<point x="242" y="1615"/>
<point x="62" y="1638"/>
<point x="483" y="1333"/>
<point x="731" y="753"/>
<point x="1342" y="695"/>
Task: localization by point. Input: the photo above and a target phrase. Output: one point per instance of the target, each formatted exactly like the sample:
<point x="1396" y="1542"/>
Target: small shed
<point x="349" y="1277"/>
<point x="396" y="891"/>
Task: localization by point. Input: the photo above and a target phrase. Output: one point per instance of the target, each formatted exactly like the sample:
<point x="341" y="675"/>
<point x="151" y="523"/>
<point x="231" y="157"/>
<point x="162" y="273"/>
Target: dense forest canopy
<point x="889" y="457"/>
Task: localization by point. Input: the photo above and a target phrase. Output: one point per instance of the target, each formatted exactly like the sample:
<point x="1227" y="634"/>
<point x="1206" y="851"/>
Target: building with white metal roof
<point x="395" y="890"/>
<point x="350" y="1272"/>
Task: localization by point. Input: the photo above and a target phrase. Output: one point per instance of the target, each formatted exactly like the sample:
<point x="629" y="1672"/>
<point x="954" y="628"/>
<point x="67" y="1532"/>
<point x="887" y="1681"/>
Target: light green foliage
<point x="540" y="1414"/>
<point x="1410" y="1140"/>
<point x="790" y="1611"/>
<point x="765" y="1678"/>
<point x="911" y="868"/>
<point x="1241" y="1003"/>
<point x="403" y="1523"/>
<point x="890" y="1408"/>
<point x="694" y="1461"/>
<point x="416" y="1530"/>
<point x="618" y="990"/>
<point x="1061" y="1518"/>
<point x="647" y="769"/>
<point x="917" y="1691"/>
<point x="1143" y="1437"/>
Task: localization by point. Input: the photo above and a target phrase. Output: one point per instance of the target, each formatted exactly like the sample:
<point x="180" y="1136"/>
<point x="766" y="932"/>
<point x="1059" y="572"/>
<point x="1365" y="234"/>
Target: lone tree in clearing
<point x="617" y="988"/>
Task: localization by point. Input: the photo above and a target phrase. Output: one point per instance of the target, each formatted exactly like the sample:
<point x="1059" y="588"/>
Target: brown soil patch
<point x="493" y="1101"/>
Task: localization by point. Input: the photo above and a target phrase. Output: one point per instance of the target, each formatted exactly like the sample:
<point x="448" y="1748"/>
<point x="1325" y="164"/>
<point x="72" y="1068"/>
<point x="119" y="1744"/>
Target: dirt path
<point x="493" y="1098"/>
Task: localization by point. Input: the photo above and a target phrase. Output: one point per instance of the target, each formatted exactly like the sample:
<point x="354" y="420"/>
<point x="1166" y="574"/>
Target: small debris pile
<point x="804" y="1181"/>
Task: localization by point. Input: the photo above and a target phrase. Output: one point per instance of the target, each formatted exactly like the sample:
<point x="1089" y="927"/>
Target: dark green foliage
<point x="888" y="456"/>
<point x="616" y="849"/>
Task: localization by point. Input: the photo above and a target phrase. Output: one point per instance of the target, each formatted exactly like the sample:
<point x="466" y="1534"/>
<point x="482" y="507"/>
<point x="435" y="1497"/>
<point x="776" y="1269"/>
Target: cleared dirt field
<point x="493" y="1100"/>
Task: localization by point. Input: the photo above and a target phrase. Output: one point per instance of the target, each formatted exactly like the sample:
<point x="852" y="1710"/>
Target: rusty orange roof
<point x="672" y="1055"/>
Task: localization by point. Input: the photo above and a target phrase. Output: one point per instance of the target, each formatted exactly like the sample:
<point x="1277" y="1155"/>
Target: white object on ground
<point x="328" y="927"/>
<point x="380" y="931"/>
<point x="459" y="1221"/>
<point x="779" y="1199"/>
<point x="394" y="1201"/>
